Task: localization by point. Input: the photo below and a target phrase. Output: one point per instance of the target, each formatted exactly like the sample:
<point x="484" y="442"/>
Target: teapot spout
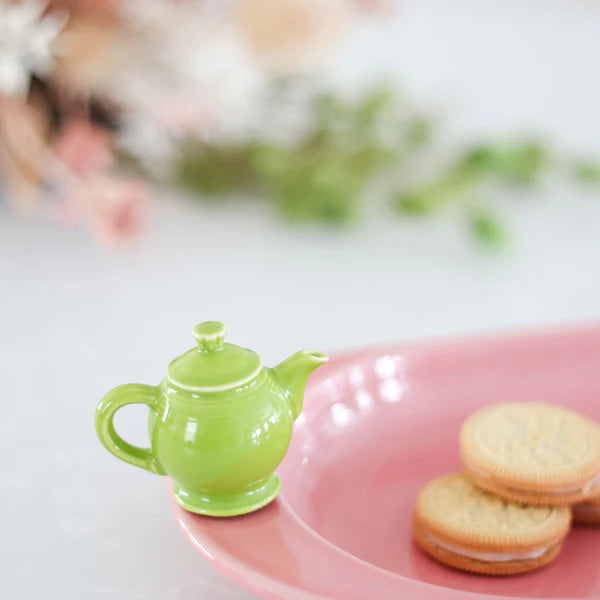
<point x="293" y="373"/>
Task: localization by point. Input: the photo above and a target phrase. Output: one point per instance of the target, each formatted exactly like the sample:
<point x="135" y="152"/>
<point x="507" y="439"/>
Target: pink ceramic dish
<point x="376" y="426"/>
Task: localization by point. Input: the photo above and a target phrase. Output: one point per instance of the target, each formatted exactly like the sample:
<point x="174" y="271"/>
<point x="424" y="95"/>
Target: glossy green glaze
<point x="220" y="423"/>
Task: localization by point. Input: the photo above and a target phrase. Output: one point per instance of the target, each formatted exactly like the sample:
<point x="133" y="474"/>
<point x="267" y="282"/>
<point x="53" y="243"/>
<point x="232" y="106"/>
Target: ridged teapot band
<point x="217" y="388"/>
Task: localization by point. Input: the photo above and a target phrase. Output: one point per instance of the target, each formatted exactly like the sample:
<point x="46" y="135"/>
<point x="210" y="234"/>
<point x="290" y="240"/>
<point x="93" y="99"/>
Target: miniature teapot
<point x="220" y="423"/>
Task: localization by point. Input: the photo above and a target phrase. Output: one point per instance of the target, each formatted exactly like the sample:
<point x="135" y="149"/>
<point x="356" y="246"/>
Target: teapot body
<point x="222" y="447"/>
<point x="220" y="422"/>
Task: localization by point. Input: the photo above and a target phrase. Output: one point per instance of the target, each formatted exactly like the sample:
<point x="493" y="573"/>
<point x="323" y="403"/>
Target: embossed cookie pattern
<point x="532" y="437"/>
<point x="459" y="503"/>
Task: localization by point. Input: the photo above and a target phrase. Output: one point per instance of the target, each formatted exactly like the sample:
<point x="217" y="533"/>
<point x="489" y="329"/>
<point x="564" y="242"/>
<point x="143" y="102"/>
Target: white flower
<point x="183" y="55"/>
<point x="26" y="39"/>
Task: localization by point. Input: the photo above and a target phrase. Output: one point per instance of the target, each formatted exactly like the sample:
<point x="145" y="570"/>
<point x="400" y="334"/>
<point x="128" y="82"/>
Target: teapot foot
<point x="228" y="506"/>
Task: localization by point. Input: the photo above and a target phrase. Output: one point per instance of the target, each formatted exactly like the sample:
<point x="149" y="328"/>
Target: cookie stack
<point x="529" y="468"/>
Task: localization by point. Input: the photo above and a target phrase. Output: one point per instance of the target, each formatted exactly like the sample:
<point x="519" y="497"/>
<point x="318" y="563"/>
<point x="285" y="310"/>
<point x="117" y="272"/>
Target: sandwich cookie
<point x="533" y="453"/>
<point x="587" y="513"/>
<point x="464" y="527"/>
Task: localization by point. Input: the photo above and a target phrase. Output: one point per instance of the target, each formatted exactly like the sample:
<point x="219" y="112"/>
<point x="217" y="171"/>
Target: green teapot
<point x="220" y="423"/>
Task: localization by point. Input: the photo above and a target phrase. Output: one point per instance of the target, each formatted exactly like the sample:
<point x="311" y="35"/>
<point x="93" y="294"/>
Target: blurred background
<point x="326" y="174"/>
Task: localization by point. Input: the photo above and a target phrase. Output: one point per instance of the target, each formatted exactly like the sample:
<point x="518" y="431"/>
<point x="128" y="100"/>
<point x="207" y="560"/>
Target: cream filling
<point x="487" y="556"/>
<point x="585" y="489"/>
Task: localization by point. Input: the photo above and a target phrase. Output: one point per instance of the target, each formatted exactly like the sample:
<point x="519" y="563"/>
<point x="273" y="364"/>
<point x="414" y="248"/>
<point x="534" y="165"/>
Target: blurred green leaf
<point x="418" y="132"/>
<point x="415" y="203"/>
<point x="324" y="194"/>
<point x="214" y="171"/>
<point x="487" y="229"/>
<point x="370" y="108"/>
<point x="449" y="187"/>
<point x="587" y="172"/>
<point x="367" y="160"/>
<point x="479" y="160"/>
<point x="270" y="161"/>
<point x="519" y="164"/>
<point x="522" y="164"/>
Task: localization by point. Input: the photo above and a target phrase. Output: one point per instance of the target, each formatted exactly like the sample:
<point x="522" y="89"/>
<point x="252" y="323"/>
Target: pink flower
<point x="113" y="207"/>
<point x="87" y="189"/>
<point x="84" y="148"/>
<point x="122" y="217"/>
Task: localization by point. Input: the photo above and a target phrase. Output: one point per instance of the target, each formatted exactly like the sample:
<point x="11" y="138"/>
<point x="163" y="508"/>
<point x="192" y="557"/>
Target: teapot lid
<point x="213" y="365"/>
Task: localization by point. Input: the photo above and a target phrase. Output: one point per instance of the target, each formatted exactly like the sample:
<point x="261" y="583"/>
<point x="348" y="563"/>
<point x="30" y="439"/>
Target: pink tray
<point x="376" y="426"/>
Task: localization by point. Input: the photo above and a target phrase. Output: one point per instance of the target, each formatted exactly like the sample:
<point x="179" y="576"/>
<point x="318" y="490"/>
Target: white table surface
<point x="77" y="319"/>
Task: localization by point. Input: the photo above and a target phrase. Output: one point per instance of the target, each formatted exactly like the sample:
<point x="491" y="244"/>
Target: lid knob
<point x="210" y="335"/>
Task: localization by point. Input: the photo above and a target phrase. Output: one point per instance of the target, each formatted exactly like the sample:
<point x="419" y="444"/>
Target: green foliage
<point x="517" y="164"/>
<point x="487" y="229"/>
<point x="319" y="179"/>
<point x="214" y="170"/>
<point x="587" y="172"/>
<point x="418" y="132"/>
<point x="323" y="175"/>
<point x="436" y="193"/>
<point x="520" y="163"/>
<point x="309" y="186"/>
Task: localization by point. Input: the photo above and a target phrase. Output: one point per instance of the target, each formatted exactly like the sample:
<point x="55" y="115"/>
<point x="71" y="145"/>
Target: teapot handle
<point x="130" y="393"/>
